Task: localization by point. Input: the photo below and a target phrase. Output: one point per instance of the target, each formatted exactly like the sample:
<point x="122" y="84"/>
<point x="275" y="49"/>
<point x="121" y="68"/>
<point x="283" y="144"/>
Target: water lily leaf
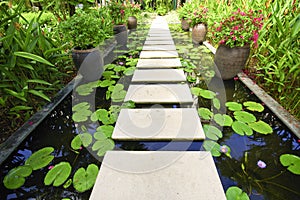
<point x="244" y="116"/>
<point x="86" y="89"/>
<point x="216" y="103"/>
<point x="81" y="106"/>
<point x="81" y="116"/>
<point x="207" y="94"/>
<point x="102" y="144"/>
<point x="84" y="139"/>
<point x="261" y="127"/>
<point x="84" y="180"/>
<point x="191" y="79"/>
<point x="292" y="162"/>
<point x="235" y="193"/>
<point x="213" y="147"/>
<point x="107" y="83"/>
<point x="118" y="93"/>
<point x="223" y="120"/>
<point x="101" y="115"/>
<point x="68" y="183"/>
<point x="58" y="174"/>
<point x="195" y="91"/>
<point x="107" y="74"/>
<point x="41" y="158"/>
<point x="205" y="113"/>
<point x="241" y="128"/>
<point x="107" y="130"/>
<point x="234" y="106"/>
<point x="16" y="177"/>
<point x="253" y="106"/>
<point x="212" y="132"/>
<point x="129" y="71"/>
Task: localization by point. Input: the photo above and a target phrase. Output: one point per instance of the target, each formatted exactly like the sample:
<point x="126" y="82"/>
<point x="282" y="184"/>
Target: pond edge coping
<point x="13" y="142"/>
<point x="287" y="118"/>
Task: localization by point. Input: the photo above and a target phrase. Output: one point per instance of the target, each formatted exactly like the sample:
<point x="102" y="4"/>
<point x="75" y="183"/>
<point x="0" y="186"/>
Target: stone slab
<point x="181" y="124"/>
<point x="165" y="34"/>
<point x="152" y="42"/>
<point x="159" y="48"/>
<point x="158" y="63"/>
<point x="158" y="54"/>
<point x="158" y="76"/>
<point x="158" y="31"/>
<point x="158" y="38"/>
<point x="158" y="175"/>
<point x="159" y="93"/>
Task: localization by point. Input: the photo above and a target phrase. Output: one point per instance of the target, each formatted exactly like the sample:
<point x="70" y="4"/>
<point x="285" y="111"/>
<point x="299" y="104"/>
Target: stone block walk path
<point x="158" y="175"/>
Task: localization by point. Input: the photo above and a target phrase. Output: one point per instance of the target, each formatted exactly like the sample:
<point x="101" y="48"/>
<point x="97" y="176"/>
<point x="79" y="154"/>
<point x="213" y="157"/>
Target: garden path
<point x="158" y="174"/>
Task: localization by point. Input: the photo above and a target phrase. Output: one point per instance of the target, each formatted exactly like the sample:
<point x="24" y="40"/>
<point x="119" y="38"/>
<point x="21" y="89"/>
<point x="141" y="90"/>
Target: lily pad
<point x="118" y="94"/>
<point x="16" y="177"/>
<point x="84" y="180"/>
<point x="223" y="120"/>
<point x="234" y="106"/>
<point x="107" y="83"/>
<point x="253" y="106"/>
<point x="102" y="144"/>
<point x="86" y="89"/>
<point x="103" y="116"/>
<point x="213" y="147"/>
<point x="129" y="71"/>
<point x="235" y="193"/>
<point x="107" y="130"/>
<point x="212" y="132"/>
<point x="241" y="128"/>
<point x="58" y="174"/>
<point x="244" y="116"/>
<point x="216" y="103"/>
<point x="81" y="106"/>
<point x="41" y="158"/>
<point x="261" y="127"/>
<point x="195" y="91"/>
<point x="81" y="112"/>
<point x="292" y="162"/>
<point x="205" y="113"/>
<point x="207" y="94"/>
<point x="84" y="139"/>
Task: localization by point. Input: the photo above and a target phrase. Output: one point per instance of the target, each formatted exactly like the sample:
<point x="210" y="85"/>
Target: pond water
<point x="271" y="182"/>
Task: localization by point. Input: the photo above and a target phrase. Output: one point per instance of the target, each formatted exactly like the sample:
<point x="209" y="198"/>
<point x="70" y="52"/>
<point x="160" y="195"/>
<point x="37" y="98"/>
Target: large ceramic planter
<point x="89" y="63"/>
<point x="132" y="23"/>
<point x="185" y="24"/>
<point x="199" y="33"/>
<point x="230" y="61"/>
<point x="121" y="34"/>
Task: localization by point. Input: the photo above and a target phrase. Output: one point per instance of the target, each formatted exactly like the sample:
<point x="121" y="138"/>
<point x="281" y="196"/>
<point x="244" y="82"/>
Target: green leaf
<point x="234" y="106"/>
<point x="80" y="106"/>
<point x="58" y="174"/>
<point x="41" y="158"/>
<point x="16" y="177"/>
<point x="81" y="112"/>
<point x="216" y="103"/>
<point x="205" y="113"/>
<point x="129" y="71"/>
<point x="195" y="91"/>
<point x="292" y="162"/>
<point x="106" y="130"/>
<point x="84" y="180"/>
<point x="261" y="127"/>
<point x="213" y="147"/>
<point x="235" y="193"/>
<point x="102" y="144"/>
<point x="86" y="89"/>
<point x="84" y="139"/>
<point x="223" y="120"/>
<point x="67" y="184"/>
<point x="212" y="132"/>
<point x="39" y="94"/>
<point x="253" y="106"/>
<point x="244" y="116"/>
<point x="107" y="83"/>
<point x="32" y="57"/>
<point x="207" y="94"/>
<point x="38" y="81"/>
<point x="241" y="128"/>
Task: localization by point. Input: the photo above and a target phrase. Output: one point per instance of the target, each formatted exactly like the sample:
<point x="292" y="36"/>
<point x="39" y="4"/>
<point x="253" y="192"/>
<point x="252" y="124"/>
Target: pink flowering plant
<point x="133" y="8"/>
<point x="239" y="29"/>
<point x="199" y="15"/>
<point x="118" y="12"/>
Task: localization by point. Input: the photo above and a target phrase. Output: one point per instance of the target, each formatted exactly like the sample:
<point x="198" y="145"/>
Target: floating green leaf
<point x="118" y="93"/>
<point x="235" y="193"/>
<point x="292" y="162"/>
<point x="241" y="128"/>
<point x="104" y="116"/>
<point x="234" y="106"/>
<point x="102" y="144"/>
<point x="41" y="158"/>
<point x="207" y="94"/>
<point x="58" y="174"/>
<point x="107" y="83"/>
<point x="212" y="132"/>
<point x="253" y="106"/>
<point x="244" y="116"/>
<point x="84" y="139"/>
<point x="84" y="180"/>
<point x="195" y="91"/>
<point x="205" y="113"/>
<point x="213" y="147"/>
<point x="223" y="120"/>
<point x="107" y="130"/>
<point x="16" y="177"/>
<point x="81" y="112"/>
<point x="261" y="127"/>
<point x="81" y="106"/>
<point x="129" y="71"/>
<point x="216" y="103"/>
<point x="68" y="183"/>
<point x="86" y="89"/>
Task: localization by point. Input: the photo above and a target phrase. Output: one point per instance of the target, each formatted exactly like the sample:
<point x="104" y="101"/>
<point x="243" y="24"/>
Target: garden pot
<point x="185" y="25"/>
<point x="132" y="22"/>
<point x="121" y="34"/>
<point x="89" y="63"/>
<point x="230" y="61"/>
<point x="199" y="33"/>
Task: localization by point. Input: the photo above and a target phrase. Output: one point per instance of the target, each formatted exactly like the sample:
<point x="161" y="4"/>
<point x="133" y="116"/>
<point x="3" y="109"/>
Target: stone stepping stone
<point x="152" y="42"/>
<point x="159" y="54"/>
<point x="159" y="47"/>
<point x="159" y="34"/>
<point x="180" y="124"/>
<point x="158" y="175"/>
<point x="159" y="93"/>
<point x="158" y="76"/>
<point x="158" y="31"/>
<point x="158" y="38"/>
<point x="158" y="63"/>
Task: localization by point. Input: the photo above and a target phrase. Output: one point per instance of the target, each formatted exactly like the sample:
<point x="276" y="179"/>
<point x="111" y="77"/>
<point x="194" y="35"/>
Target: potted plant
<point x="133" y="10"/>
<point x="199" y="24"/>
<point x="235" y="34"/>
<point x="185" y="14"/>
<point x="85" y="31"/>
